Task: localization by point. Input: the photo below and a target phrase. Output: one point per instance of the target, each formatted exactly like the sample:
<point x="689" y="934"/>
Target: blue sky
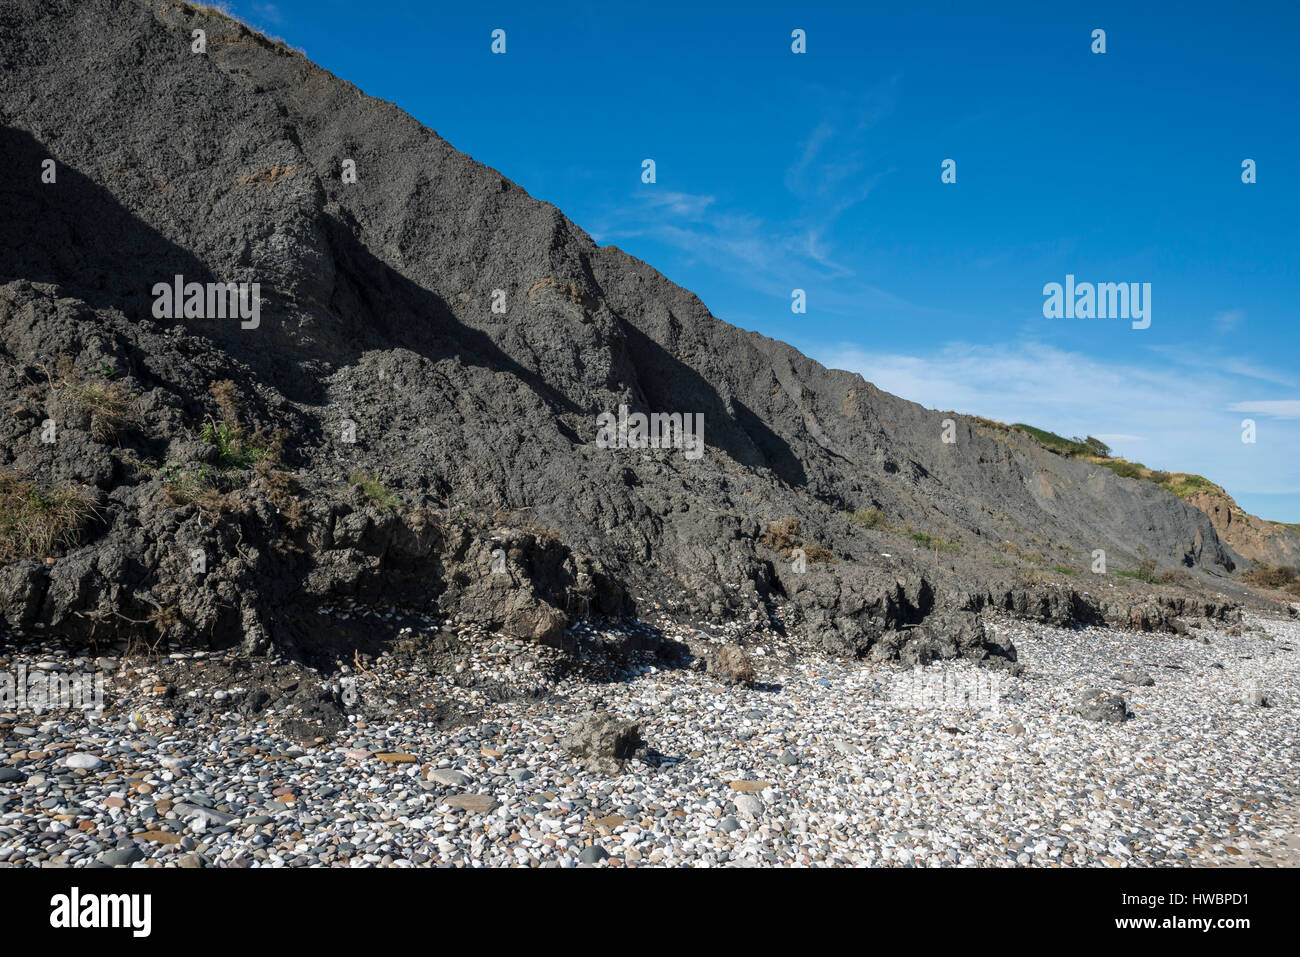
<point x="821" y="171"/>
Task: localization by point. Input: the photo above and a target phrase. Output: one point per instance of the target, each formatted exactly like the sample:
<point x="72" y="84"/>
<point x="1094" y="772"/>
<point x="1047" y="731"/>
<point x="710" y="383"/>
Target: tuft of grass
<point x="1064" y="569"/>
<point x="111" y="407"/>
<point x="784" y="536"/>
<point x="869" y="518"/>
<point x="34" y="523"/>
<point x="1145" y="572"/>
<point x="182" y="486"/>
<point x="374" y="490"/>
<point x="932" y="542"/>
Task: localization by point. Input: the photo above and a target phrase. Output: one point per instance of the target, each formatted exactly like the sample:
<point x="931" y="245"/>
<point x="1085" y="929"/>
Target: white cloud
<point x="1167" y="416"/>
<point x="1276" y="408"/>
<point x="687" y="205"/>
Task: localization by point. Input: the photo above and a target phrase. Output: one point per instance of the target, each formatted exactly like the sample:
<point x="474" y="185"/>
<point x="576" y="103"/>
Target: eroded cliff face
<point x="1254" y="538"/>
<point x="413" y="415"/>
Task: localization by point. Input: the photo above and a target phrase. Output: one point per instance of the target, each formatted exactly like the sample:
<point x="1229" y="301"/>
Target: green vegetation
<point x="1088" y="446"/>
<point x="1011" y="548"/>
<point x="235" y="448"/>
<point x="1133" y="470"/>
<point x="33" y="523"/>
<point x="869" y="518"/>
<point x="1182" y="484"/>
<point x="1064" y="569"/>
<point x="1145" y="572"/>
<point x="931" y="542"/>
<point x="875" y="518"/>
<point x="374" y="490"/>
<point x="182" y="486"/>
<point x="237" y="452"/>
<point x="1185" y="486"/>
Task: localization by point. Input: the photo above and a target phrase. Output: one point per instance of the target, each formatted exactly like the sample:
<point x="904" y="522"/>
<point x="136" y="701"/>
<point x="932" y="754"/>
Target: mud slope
<point x="474" y="481"/>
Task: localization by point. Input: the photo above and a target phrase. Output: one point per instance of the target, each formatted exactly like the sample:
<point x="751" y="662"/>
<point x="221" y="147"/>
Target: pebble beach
<point x="820" y="763"/>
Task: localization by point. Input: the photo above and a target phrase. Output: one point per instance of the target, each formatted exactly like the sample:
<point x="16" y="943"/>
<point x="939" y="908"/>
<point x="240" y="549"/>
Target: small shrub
<point x="783" y="535"/>
<point x="282" y="490"/>
<point x="1095" y="447"/>
<point x="818" y="553"/>
<point x="236" y="449"/>
<point x="1280" y="577"/>
<point x="1161" y="478"/>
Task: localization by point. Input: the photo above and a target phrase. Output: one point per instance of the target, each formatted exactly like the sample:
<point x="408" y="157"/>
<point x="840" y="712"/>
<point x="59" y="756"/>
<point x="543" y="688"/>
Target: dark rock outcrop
<point x="418" y="445"/>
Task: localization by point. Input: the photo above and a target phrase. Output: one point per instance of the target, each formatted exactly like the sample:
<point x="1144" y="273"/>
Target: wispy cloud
<point x="832" y="170"/>
<point x="1276" y="408"/>
<point x="1229" y="320"/>
<point x="686" y="205"/>
<point x="268" y="12"/>
<point x="1167" y="415"/>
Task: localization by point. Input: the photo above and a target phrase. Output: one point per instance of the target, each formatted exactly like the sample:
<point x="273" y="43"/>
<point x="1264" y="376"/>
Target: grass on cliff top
<point x="34" y="523"/>
<point x="221" y="11"/>
<point x="1182" y="484"/>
